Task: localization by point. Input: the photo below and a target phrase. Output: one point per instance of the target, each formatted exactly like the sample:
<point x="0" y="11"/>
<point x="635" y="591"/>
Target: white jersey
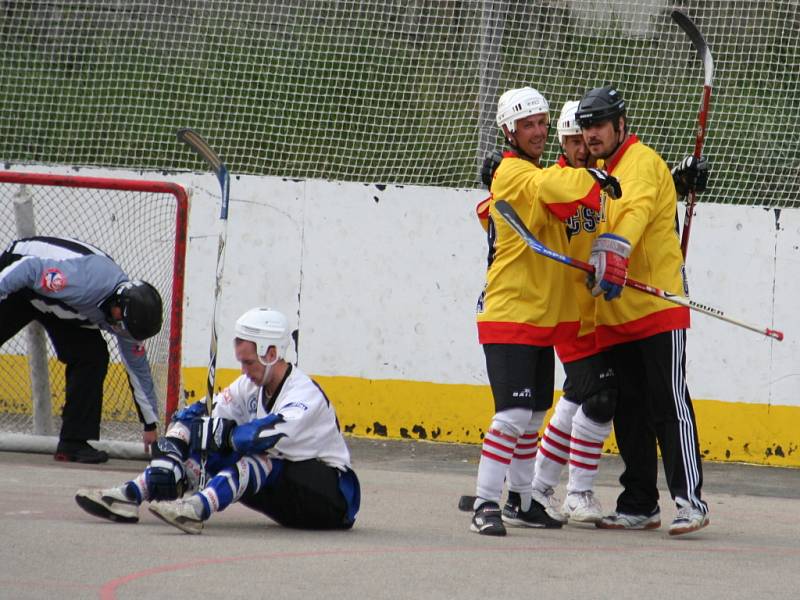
<point x="309" y="424"/>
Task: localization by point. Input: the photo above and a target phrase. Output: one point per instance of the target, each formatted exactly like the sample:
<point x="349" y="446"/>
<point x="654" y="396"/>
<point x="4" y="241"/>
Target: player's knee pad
<point x="165" y="479"/>
<point x="166" y="476"/>
<point x="169" y="446"/>
<point x="512" y="421"/>
<point x="600" y="406"/>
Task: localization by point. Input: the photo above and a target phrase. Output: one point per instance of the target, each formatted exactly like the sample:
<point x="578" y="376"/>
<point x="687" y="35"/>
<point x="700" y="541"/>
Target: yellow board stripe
<point x="729" y="431"/>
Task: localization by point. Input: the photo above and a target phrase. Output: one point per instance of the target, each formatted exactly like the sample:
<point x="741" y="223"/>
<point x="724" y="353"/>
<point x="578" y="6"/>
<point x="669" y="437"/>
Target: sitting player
<point x="272" y="443"/>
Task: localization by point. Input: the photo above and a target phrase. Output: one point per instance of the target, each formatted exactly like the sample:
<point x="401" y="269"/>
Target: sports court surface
<point x="410" y="540"/>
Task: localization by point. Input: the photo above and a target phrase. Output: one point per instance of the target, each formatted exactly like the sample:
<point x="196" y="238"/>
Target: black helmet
<point x="141" y="308"/>
<point x="598" y="105"/>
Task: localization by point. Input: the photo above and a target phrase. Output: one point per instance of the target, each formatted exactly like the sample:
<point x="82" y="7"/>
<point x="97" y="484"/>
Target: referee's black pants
<point x="83" y="351"/>
<point x="654" y="406"/>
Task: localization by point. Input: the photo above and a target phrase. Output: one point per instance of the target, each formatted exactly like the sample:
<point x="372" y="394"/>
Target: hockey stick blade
<point x="512" y="218"/>
<point x="466" y="503"/>
<point x="698" y="41"/>
<point x="198" y="143"/>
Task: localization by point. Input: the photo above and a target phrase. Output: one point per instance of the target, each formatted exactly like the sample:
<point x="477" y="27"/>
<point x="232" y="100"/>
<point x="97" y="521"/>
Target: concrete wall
<point x="382" y="281"/>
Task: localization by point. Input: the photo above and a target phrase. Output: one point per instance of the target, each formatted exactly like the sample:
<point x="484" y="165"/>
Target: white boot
<point x="186" y="514"/>
<point x="111" y="503"/>
<point x="582" y="507"/>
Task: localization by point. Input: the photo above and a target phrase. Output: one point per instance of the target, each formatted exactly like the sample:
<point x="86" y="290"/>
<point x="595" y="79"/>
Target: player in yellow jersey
<point x="526" y="307"/>
<point x="582" y="418"/>
<point x="644" y="336"/>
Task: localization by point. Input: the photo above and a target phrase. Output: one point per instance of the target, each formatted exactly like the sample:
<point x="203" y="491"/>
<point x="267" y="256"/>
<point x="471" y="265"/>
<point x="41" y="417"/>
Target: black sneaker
<point x="79" y="451"/>
<point x="487" y="520"/>
<point x="535" y="516"/>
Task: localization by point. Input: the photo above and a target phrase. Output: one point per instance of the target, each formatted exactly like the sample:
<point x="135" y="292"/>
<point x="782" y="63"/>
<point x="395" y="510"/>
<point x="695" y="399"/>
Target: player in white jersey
<point x="273" y="443"/>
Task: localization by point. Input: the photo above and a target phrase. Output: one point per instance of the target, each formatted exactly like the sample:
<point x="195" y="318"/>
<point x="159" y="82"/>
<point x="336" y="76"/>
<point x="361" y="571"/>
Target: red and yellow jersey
<point x="581" y="233"/>
<point x="645" y="215"/>
<point x="528" y="298"/>
<point x="482" y="210"/>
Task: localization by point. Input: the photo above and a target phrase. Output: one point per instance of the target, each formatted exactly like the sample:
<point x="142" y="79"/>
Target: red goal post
<point x="142" y="225"/>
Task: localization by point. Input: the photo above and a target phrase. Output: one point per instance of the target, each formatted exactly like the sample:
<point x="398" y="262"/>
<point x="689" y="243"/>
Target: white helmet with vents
<point x="520" y="103"/>
<point x="265" y="327"/>
<point x="567" y="123"/>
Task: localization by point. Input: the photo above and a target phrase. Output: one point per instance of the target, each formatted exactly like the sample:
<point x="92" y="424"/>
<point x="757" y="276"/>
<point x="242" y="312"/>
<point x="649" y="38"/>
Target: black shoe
<point x="487" y="520"/>
<point x="535" y="516"/>
<point x="79" y="451"/>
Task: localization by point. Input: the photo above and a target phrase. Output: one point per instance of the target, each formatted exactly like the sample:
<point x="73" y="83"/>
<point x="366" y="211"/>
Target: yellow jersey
<point x="645" y="215"/>
<point x="528" y="299"/>
<point x="581" y="233"/>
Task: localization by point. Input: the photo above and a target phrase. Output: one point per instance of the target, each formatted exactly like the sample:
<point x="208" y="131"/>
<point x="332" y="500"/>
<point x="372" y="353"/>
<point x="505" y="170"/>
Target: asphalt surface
<point x="410" y="540"/>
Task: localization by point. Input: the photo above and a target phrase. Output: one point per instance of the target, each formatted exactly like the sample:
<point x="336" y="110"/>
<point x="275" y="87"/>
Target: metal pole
<point x="493" y="14"/>
<point x="37" y="342"/>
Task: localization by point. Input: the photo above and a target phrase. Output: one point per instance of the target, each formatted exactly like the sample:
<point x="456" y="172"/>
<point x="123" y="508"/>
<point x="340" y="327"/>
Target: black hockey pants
<point x="84" y="352"/>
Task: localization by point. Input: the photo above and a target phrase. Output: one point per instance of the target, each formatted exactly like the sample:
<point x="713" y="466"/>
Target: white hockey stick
<point x="512" y="218"/>
<point x="196" y="142"/>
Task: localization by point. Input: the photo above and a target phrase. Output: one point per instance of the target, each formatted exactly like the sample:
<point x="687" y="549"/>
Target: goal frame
<point x="173" y="384"/>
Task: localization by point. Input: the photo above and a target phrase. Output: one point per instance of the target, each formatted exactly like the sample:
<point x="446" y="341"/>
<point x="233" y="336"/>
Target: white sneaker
<point x="186" y="515"/>
<point x="618" y="520"/>
<point x="110" y="503"/>
<point x="689" y="519"/>
<point x="582" y="507"/>
<point x="550" y="503"/>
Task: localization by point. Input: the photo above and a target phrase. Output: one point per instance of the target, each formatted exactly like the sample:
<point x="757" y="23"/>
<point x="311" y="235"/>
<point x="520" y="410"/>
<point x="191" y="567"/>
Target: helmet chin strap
<point x="619" y="141"/>
<point x="269" y="366"/>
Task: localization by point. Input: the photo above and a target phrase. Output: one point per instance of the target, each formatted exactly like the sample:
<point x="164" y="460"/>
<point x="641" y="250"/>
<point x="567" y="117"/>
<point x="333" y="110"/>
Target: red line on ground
<point x="109" y="589"/>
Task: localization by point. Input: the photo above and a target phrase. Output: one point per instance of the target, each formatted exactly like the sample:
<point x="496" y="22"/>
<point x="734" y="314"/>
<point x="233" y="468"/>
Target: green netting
<point x="389" y="91"/>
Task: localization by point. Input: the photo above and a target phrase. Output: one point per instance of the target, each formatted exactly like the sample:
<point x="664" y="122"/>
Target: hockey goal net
<point x="142" y="226"/>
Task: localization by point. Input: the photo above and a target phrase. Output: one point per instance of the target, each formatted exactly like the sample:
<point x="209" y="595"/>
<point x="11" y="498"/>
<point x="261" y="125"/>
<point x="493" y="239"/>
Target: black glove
<point x="212" y="434"/>
<point x="608" y="183"/>
<point x="691" y="175"/>
<point x="490" y="164"/>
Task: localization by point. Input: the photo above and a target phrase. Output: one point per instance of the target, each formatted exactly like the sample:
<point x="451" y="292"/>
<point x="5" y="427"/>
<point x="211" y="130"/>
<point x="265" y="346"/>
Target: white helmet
<point x="520" y="103"/>
<point x="265" y="327"/>
<point x="567" y="124"/>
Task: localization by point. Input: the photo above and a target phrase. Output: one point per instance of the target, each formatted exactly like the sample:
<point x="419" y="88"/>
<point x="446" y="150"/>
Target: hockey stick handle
<point x="512" y="218"/>
<point x="702" y="119"/>
<point x="704" y="54"/>
<point x="198" y="143"/>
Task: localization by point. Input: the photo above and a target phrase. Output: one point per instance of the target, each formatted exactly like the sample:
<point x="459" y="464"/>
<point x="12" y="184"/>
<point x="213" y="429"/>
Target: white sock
<point x="587" y="447"/>
<point x="555" y="445"/>
<point x="497" y="451"/>
<point x="523" y="463"/>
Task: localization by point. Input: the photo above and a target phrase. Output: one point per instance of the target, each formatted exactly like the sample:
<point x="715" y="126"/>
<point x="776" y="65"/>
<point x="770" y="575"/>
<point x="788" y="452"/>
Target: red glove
<point x="610" y="260"/>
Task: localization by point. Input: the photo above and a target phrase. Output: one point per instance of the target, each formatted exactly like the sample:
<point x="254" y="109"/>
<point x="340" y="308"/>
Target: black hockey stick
<point x="704" y="53"/>
<point x="466" y="503"/>
<point x="196" y="142"/>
